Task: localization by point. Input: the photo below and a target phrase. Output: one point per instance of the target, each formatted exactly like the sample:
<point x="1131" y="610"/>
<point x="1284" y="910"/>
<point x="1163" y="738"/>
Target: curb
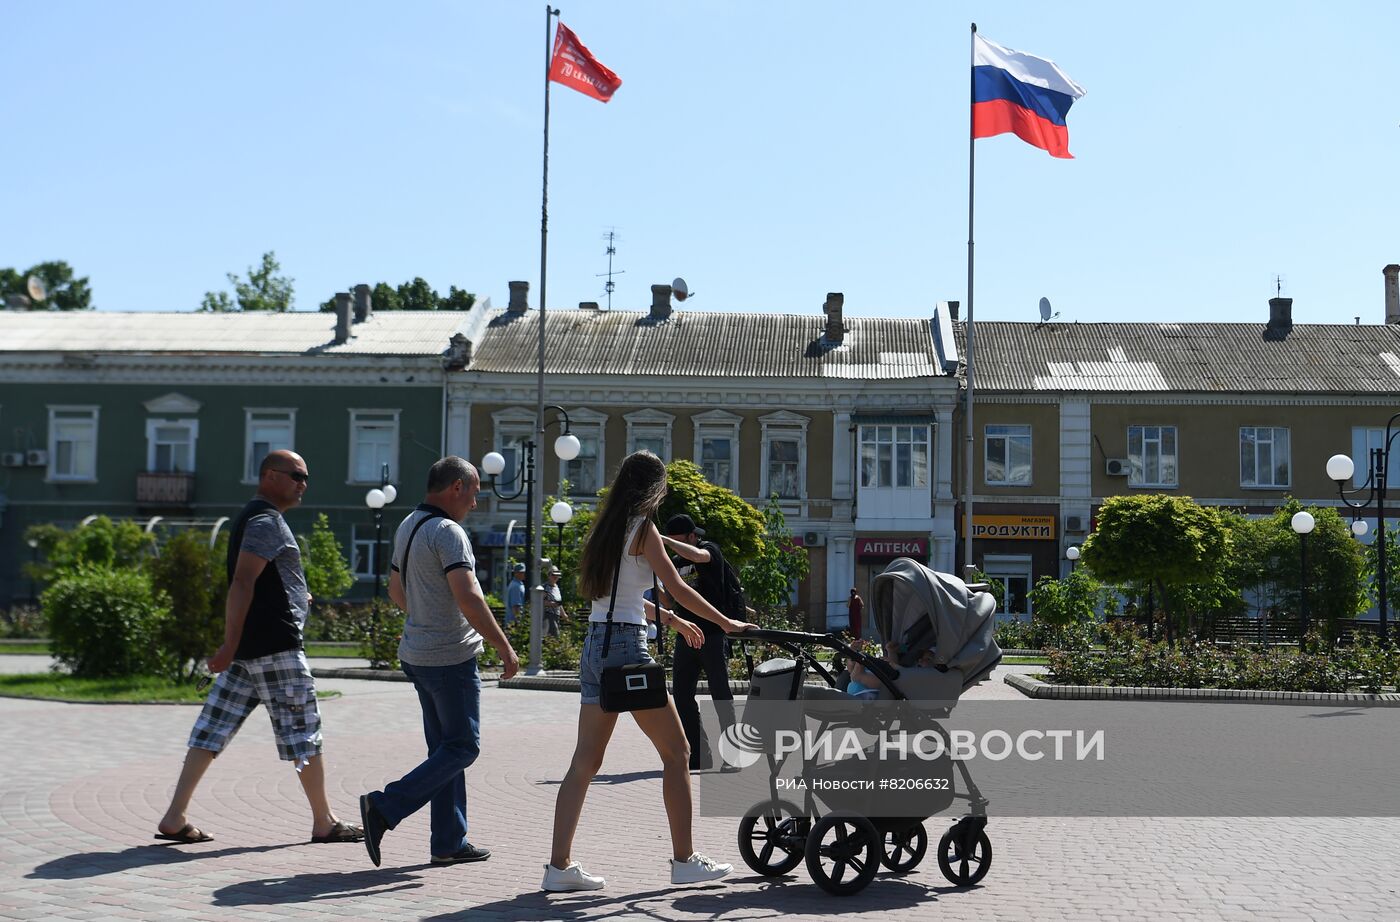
<point x="382" y="675"/>
<point x="569" y="683"/>
<point x="1035" y="688"/>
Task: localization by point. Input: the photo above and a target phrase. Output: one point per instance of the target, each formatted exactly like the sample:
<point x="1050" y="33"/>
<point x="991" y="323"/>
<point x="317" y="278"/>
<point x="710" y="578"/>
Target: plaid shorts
<point x="283" y="682"/>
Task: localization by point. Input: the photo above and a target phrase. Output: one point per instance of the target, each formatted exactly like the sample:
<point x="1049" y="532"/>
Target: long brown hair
<point x="637" y="490"/>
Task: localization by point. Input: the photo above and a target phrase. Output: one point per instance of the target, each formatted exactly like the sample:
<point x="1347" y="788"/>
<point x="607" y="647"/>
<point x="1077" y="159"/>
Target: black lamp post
<point x="1340" y="468"/>
<point x="566" y="447"/>
<point x="376" y="499"/>
<point x="33" y="565"/>
<point x="561" y="513"/>
<point x="1303" y="524"/>
<point x="1072" y="555"/>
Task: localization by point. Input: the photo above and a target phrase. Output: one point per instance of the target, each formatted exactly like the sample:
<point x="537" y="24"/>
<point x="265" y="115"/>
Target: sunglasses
<point x="298" y="476"/>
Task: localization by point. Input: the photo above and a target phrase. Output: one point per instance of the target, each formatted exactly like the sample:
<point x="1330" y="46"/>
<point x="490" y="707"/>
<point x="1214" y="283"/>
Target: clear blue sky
<point x="769" y="152"/>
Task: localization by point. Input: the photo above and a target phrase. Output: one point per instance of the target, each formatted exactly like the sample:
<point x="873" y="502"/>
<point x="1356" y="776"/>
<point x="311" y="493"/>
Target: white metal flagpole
<point x="968" y="565"/>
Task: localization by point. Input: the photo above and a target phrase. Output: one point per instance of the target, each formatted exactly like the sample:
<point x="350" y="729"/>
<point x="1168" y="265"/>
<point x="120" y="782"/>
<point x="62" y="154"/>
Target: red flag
<point x="574" y="66"/>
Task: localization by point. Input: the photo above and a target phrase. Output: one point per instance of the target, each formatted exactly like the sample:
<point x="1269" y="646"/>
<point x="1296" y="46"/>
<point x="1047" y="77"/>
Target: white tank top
<point x="633" y="578"/>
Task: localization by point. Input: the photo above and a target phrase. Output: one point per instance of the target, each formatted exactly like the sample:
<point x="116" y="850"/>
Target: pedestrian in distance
<point x="433" y="578"/>
<point x="553" y="603"/>
<point x="515" y="594"/>
<point x="262" y="658"/>
<point x="621" y="557"/>
<point x="855" y="608"/>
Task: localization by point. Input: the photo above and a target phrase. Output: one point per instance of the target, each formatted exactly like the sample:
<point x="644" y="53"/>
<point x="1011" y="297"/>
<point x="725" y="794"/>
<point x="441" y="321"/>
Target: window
<point x="784" y="454"/>
<point x="266" y="431"/>
<point x="717" y="447"/>
<point x="1014" y="575"/>
<point x="1008" y="455"/>
<point x="362" y="550"/>
<point x="72" y="443"/>
<point x="894" y="456"/>
<point x="1152" y="456"/>
<point x="585" y="473"/>
<point x="374" y="442"/>
<point x="650" y="430"/>
<point x="1264" y="456"/>
<point x="1363" y="441"/>
<point x="170" y="445"/>
<point x="512" y="428"/>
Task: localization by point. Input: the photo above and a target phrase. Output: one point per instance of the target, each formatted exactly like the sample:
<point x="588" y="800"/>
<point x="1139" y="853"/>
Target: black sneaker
<point x="375" y="826"/>
<point x="470" y="853"/>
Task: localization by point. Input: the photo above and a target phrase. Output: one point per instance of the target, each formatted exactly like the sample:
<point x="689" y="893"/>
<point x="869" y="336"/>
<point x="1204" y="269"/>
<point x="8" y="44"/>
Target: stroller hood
<point x="921" y="609"/>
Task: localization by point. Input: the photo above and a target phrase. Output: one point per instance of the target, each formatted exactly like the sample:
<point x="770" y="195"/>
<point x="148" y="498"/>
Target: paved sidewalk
<point x="84" y="786"/>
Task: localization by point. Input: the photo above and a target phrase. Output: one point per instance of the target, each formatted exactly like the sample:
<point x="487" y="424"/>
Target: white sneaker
<point x="574" y="877"/>
<point x="698" y="869"/>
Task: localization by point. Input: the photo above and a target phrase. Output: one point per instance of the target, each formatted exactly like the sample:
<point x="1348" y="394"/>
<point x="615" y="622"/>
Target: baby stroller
<point x="922" y="612"/>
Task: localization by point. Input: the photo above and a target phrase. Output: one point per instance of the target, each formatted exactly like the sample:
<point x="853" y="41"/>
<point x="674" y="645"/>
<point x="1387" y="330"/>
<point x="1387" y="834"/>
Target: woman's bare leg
<point x="595" y="728"/>
<point x="663" y="727"/>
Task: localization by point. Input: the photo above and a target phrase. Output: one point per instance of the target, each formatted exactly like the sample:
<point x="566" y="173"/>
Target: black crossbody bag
<point x="637" y="686"/>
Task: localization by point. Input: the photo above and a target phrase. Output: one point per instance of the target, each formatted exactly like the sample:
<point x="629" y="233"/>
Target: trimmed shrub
<point x="380" y="630"/>
<point x="105" y="622"/>
<point x="23" y="622"/>
<point x="192" y="576"/>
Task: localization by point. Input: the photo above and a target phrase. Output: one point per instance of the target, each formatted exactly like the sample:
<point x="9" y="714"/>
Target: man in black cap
<point x="701" y="564"/>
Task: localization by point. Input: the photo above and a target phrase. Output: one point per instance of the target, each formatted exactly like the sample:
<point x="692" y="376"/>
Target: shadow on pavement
<point x="302" y="888"/>
<point x="95" y="864"/>
<point x="781" y="895"/>
<point x="619" y="778"/>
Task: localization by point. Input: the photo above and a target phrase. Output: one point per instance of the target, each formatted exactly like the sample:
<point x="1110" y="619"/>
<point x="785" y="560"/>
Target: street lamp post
<point x="561" y="513"/>
<point x="1303" y="524"/>
<point x="33" y="565"/>
<point x="566" y="448"/>
<point x="1072" y="555"/>
<point x="376" y="499"/>
<point x="1340" y="468"/>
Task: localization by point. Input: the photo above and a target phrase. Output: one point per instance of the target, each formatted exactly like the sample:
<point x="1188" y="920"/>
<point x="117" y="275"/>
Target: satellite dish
<point x="1044" y="310"/>
<point x="36" y="287"/>
<point x="680" y="289"/>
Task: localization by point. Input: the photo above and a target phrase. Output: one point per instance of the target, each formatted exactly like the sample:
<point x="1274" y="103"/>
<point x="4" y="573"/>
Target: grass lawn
<point x="312" y="649"/>
<point x="1024" y="661"/>
<point x="38" y="649"/>
<point x="130" y="690"/>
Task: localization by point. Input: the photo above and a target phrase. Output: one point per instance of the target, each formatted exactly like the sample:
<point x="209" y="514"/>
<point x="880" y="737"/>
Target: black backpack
<point x="735" y="605"/>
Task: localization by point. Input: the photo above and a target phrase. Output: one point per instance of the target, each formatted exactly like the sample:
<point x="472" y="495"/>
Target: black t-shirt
<point x="707" y="579"/>
<point x="278" y="607"/>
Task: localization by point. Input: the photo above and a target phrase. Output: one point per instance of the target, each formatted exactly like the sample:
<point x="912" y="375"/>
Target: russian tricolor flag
<point x="1022" y="94"/>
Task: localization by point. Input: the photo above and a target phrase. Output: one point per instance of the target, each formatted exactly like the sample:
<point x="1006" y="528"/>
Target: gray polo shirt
<point x="435" y="633"/>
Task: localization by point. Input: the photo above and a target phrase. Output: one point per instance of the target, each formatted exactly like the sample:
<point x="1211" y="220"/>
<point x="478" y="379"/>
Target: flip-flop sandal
<point x="341" y="832"/>
<point x="189" y="835"/>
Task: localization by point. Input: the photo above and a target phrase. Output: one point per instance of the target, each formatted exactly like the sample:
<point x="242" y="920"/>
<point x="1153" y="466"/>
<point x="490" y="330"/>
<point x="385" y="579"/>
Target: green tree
<point x="193" y="577"/>
<point x="1068" y="601"/>
<point x="101" y="542"/>
<point x="565" y="556"/>
<point x="328" y="573"/>
<point x="106" y="622"/>
<point x="66" y="292"/>
<point x="737" y="527"/>
<point x="768" y="575"/>
<point x="1336" y="573"/>
<point x="1168" y="542"/>
<point x="416" y="295"/>
<point x="264" y="290"/>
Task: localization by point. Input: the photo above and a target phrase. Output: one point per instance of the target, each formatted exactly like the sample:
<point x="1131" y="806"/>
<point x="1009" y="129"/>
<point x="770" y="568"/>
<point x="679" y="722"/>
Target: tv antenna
<point x="1046" y="314"/>
<point x="610" y="287"/>
<point x="38" y="291"/>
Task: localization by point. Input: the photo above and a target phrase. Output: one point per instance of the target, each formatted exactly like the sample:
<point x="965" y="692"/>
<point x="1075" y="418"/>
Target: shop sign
<point x="890" y="548"/>
<point x="1014" y="527"/>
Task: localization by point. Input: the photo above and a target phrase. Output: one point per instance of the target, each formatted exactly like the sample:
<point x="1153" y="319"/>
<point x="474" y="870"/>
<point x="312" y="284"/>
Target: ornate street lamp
<point x="377" y="498"/>
<point x="566" y="448"/>
<point x="1303" y="524"/>
<point x="1340" y="468"/>
<point x="561" y="513"/>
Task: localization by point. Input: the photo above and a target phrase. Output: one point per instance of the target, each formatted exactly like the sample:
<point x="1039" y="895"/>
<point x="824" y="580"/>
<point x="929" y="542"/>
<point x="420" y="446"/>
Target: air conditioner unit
<point x="1116" y="467"/>
<point x="813" y="539"/>
<point x="1074" y="523"/>
<point x="36" y="457"/>
<point x="12" y="459"/>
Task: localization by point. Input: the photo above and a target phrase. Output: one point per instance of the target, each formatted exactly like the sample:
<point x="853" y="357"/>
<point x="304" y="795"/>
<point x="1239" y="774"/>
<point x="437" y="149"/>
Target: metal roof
<point x="1184" y="357"/>
<point x="705" y="343"/>
<point x="236" y="333"/>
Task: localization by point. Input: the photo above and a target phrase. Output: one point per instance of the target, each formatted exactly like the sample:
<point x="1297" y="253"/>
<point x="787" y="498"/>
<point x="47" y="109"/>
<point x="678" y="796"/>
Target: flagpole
<point x="971" y="436"/>
<point x="536" y="529"/>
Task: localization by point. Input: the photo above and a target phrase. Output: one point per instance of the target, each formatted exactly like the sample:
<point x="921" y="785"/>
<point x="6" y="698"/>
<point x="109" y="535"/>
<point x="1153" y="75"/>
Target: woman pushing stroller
<point x="622" y="556"/>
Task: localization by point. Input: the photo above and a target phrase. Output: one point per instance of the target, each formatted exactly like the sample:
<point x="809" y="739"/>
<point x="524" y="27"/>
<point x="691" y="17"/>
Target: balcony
<point x="164" y="490"/>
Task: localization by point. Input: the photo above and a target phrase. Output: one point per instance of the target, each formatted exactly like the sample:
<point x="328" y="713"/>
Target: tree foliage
<point x="328" y="573"/>
<point x="66" y="292"/>
<point x="102" y="542"/>
<point x="106" y="622"/>
<point x="193" y="577"/>
<point x="562" y="547"/>
<point x="768" y="576"/>
<point x="264" y="290"/>
<point x="416" y="295"/>
<point x="1075" y="599"/>
<point x="737" y="527"/>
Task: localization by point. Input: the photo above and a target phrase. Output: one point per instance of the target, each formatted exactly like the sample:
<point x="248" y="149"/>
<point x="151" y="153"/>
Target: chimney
<point x="342" y="317"/>
<point x="588" y="305"/>
<point x="1280" y="318"/>
<point x="364" y="307"/>
<point x="519" y="298"/>
<point x="953" y="310"/>
<point x="835" y="329"/>
<point x="1392" y="293"/>
<point x="660" y="302"/>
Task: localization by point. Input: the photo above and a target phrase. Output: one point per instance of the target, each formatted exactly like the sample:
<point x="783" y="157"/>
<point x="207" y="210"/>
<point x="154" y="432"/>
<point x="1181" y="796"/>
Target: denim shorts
<point x="627" y="646"/>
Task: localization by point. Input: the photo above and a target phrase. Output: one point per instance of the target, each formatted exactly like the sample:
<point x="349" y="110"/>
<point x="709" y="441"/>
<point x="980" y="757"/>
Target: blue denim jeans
<point x="451" y="700"/>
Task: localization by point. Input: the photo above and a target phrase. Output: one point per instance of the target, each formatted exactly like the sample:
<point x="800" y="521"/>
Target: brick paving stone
<point x="84" y="786"/>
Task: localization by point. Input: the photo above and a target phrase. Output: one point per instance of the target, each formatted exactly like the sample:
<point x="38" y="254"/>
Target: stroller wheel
<point x="902" y="852"/>
<point x="841" y="853"/>
<point x="772" y="836"/>
<point x="964" y="867"/>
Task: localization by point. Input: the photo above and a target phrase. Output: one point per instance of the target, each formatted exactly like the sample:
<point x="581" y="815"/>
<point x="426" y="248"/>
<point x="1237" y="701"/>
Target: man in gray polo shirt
<point x="433" y="578"/>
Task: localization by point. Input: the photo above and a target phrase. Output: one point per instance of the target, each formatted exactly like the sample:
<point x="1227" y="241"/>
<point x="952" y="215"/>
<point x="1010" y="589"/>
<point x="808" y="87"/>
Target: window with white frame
<point x="717" y="447"/>
<point x="266" y="431"/>
<point x="362" y="552"/>
<point x="374" y="442"/>
<point x="1014" y="575"/>
<point x="1365" y="439"/>
<point x="1007" y="459"/>
<point x="893" y="456"/>
<point x="650" y="430"/>
<point x="1152" y="456"/>
<point x="585" y="473"/>
<point x="784" y="455"/>
<point x="72" y="443"/>
<point x="1264" y="456"/>
<point x="170" y="445"/>
<point x="511" y="429"/>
